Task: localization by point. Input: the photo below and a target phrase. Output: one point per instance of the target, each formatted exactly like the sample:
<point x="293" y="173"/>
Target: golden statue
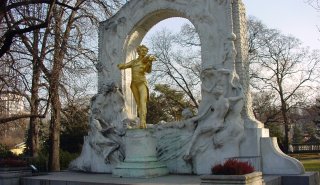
<point x="139" y="85"/>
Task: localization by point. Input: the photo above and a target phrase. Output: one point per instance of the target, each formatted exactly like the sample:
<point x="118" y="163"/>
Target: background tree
<point x="61" y="48"/>
<point x="297" y="137"/>
<point x="315" y="4"/>
<point x="16" y="21"/>
<point x="19" y="79"/>
<point x="280" y="64"/>
<point x="35" y="52"/>
<point x="22" y="23"/>
<point x="74" y="125"/>
<point x="176" y="67"/>
<point x="166" y="104"/>
<point x="13" y="133"/>
<point x="316" y="119"/>
<point x="264" y="107"/>
<point x="70" y="51"/>
<point x="266" y="111"/>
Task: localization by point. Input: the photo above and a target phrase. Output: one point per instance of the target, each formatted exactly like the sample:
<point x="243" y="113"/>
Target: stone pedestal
<point x="254" y="178"/>
<point x="141" y="159"/>
<point x="274" y="161"/>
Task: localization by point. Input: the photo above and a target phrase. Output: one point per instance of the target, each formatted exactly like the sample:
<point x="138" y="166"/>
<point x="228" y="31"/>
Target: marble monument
<point x="224" y="126"/>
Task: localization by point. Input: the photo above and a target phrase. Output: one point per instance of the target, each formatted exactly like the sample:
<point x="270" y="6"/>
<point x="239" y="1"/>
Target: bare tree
<point x="280" y="64"/>
<point x="22" y="25"/>
<point x="15" y="21"/>
<point x="188" y="36"/>
<point x="264" y="107"/>
<point x="69" y="30"/>
<point x="180" y="69"/>
<point x="314" y="3"/>
<point x="61" y="48"/>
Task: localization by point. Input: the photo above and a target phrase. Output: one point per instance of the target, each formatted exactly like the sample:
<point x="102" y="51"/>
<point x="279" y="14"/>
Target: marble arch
<point x="213" y="19"/>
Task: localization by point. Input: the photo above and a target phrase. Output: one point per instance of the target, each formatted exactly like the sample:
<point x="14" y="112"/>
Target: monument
<point x="224" y="127"/>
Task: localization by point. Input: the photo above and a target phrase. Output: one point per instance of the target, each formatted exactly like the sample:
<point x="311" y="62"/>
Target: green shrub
<point x="5" y="152"/>
<point x="40" y="162"/>
<point x="65" y="158"/>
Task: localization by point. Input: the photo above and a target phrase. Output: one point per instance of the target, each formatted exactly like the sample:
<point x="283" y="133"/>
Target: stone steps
<point x="79" y="178"/>
<point x="74" y="178"/>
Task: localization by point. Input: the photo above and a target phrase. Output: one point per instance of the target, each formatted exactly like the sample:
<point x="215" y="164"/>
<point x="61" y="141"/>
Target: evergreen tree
<point x="74" y="126"/>
<point x="166" y="104"/>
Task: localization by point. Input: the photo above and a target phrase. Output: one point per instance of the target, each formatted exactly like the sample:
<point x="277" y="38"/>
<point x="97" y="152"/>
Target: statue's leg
<point x="136" y="95"/>
<point x="196" y="134"/>
<point x="194" y="137"/>
<point x="143" y="105"/>
<point x="109" y="148"/>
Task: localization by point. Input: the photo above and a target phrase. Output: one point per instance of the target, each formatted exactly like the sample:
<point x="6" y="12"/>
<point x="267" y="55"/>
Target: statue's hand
<point x="120" y="66"/>
<point x="149" y="58"/>
<point x="181" y="125"/>
<point x="120" y="132"/>
<point x="152" y="58"/>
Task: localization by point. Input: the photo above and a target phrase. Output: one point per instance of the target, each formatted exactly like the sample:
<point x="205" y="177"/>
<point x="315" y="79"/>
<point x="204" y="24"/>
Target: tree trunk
<point x="54" y="155"/>
<point x="34" y="103"/>
<point x="283" y="111"/>
<point x="286" y="126"/>
<point x="54" y="81"/>
<point x="34" y="121"/>
<point x="60" y="45"/>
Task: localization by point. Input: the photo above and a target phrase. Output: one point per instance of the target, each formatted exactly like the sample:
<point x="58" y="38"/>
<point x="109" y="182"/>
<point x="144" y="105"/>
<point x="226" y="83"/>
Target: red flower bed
<point x="11" y="162"/>
<point x="232" y="167"/>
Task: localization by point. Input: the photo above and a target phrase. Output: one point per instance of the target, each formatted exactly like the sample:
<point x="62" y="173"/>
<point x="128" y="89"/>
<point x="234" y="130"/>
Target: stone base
<point x="254" y="178"/>
<point x="272" y="180"/>
<point x="76" y="178"/>
<point x="79" y="178"/>
<point x="90" y="160"/>
<point x="141" y="160"/>
<point x="11" y="176"/>
<point x="140" y="169"/>
<point x="308" y="178"/>
<point x="274" y="161"/>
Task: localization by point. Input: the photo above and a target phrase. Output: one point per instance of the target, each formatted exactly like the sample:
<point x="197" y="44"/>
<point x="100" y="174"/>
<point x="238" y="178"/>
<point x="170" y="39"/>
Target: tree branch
<point x="16" y="117"/>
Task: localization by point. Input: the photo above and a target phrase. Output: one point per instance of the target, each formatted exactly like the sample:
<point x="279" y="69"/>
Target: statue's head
<point x="142" y="50"/>
<point x="218" y="89"/>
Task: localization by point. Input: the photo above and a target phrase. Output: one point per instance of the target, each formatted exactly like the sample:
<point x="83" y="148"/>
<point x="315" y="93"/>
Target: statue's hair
<point x="143" y="47"/>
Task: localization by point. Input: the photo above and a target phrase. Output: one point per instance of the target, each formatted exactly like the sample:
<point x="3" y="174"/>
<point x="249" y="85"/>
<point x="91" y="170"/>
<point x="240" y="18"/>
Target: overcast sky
<point x="291" y="17"/>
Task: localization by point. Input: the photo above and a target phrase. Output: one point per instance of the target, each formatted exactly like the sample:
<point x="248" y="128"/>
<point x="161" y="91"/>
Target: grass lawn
<point x="311" y="165"/>
<point x="311" y="162"/>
